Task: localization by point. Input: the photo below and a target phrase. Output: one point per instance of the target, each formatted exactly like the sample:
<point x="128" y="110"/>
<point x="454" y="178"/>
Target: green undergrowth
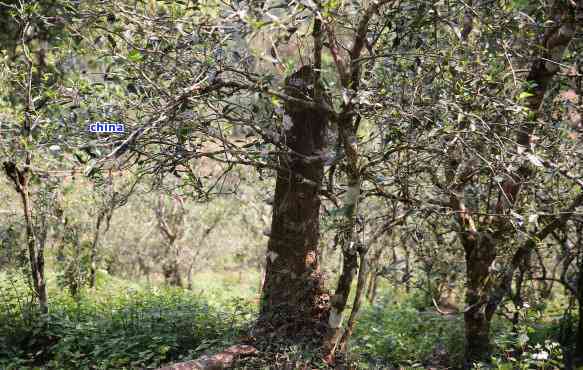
<point x="128" y="325"/>
<point x="395" y="332"/>
<point x="117" y="326"/>
<point x="391" y="333"/>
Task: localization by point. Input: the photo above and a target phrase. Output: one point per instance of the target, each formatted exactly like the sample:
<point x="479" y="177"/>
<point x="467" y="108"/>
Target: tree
<point x="426" y="107"/>
<point x="108" y="200"/>
<point x="481" y="245"/>
<point x="37" y="137"/>
<point x="194" y="121"/>
<point x="449" y="109"/>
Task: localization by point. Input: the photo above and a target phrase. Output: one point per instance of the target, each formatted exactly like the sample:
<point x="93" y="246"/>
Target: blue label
<point x="110" y="127"/>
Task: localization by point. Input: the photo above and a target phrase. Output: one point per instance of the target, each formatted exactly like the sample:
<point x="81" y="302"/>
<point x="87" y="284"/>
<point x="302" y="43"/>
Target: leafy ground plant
<point x="116" y="328"/>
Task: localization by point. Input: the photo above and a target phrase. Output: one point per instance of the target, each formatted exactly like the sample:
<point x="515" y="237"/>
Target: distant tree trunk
<point x="189" y="277"/>
<point x="407" y="273"/>
<point x="374" y="266"/>
<point x="172" y="274"/>
<point x="171" y="224"/>
<point x="261" y="279"/>
<point x="142" y="268"/>
<point x="294" y="302"/>
<point x="171" y="267"/>
<point x="105" y="214"/>
<point x="517" y="295"/>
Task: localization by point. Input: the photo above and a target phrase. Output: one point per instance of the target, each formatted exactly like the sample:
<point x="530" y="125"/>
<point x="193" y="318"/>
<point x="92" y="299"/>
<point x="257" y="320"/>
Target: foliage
<point x="392" y="332"/>
<point x="119" y="327"/>
<point x="444" y="163"/>
<point x="124" y="324"/>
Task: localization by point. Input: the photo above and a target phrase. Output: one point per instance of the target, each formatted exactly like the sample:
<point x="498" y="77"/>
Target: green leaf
<point x="135" y="56"/>
<point x="523" y="95"/>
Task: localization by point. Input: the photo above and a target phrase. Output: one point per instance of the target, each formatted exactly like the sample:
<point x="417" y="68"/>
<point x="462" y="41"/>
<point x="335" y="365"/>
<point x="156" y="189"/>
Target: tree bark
<point x="172" y="274"/>
<point x="372" y="286"/>
<point x="360" y="290"/>
<point x="171" y="225"/>
<point x="480" y="252"/>
<point x="555" y="41"/>
<point x="294" y="302"/>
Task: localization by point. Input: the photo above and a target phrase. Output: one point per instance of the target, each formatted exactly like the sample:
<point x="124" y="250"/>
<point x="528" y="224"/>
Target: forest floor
<point x="127" y="325"/>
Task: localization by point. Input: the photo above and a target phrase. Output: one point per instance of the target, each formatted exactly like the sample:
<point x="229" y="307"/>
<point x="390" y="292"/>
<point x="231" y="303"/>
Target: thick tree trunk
<point x="477" y="329"/>
<point x="480" y="253"/>
<point x="294" y="302"/>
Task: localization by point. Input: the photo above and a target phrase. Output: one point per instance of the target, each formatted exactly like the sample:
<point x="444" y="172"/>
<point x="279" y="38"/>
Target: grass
<point x="127" y="325"/>
<point x="120" y="325"/>
<point x="398" y="332"/>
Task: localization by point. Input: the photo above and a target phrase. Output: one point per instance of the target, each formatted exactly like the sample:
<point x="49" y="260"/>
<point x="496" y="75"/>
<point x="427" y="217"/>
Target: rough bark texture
<point x="480" y="252"/>
<point x="294" y="302"/>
